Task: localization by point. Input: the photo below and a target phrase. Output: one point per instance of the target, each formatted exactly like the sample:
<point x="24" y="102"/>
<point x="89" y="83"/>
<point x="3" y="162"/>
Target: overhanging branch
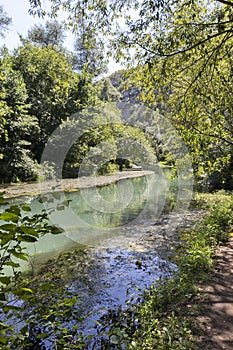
<point x="229" y="3"/>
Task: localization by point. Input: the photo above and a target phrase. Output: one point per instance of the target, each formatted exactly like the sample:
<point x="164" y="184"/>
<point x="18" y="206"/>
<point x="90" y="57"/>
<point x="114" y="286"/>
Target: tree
<point x="52" y="34"/>
<point x="108" y="92"/>
<point x="89" y="52"/>
<point x="18" y="126"/>
<point x="52" y="87"/>
<point x="180" y="49"/>
<point x="97" y="140"/>
<point x="5" y="21"/>
<point x="39" y="90"/>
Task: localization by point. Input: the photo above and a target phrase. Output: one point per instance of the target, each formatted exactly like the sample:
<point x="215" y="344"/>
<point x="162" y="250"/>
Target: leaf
<point x="60" y="207"/>
<point x="56" y="230"/>
<point x="43" y="199"/>
<point x="22" y="291"/>
<point x="5" y="279"/>
<point x="28" y="290"/>
<point x="56" y="195"/>
<point x="26" y="207"/>
<point x="3" y="340"/>
<point x="66" y="202"/>
<point x="21" y="256"/>
<point x="7" y="238"/>
<point x="26" y="238"/>
<point x="42" y="335"/>
<point x="29" y="231"/>
<point x="8" y="227"/>
<point x="12" y="264"/>
<point x="7" y="216"/>
<point x="46" y="286"/>
<point x="7" y="308"/>
<point x="14" y="209"/>
<point x="24" y="330"/>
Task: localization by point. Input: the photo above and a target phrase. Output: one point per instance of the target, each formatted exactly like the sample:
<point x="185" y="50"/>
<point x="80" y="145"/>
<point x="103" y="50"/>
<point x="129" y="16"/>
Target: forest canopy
<point x="178" y="59"/>
<point x="183" y="54"/>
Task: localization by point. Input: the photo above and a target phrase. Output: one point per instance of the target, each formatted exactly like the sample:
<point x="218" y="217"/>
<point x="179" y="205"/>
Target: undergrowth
<point x="166" y="318"/>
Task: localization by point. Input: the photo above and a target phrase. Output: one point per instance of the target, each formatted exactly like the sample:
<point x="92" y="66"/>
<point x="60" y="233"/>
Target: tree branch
<point x="229" y="3"/>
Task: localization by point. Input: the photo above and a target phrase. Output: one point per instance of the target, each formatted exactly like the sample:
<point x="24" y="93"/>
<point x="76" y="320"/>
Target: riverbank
<point x="175" y="314"/>
<point x="66" y="185"/>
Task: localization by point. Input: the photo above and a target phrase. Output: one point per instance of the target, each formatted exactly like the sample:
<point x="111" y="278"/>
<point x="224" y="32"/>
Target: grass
<point x="166" y="318"/>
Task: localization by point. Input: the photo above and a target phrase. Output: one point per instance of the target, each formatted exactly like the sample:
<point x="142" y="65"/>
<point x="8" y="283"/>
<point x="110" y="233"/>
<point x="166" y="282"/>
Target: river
<point x="117" y="241"/>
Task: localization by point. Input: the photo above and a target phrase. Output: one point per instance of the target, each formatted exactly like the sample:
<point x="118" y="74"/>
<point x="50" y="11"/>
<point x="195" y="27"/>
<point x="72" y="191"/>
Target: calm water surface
<point x="95" y="214"/>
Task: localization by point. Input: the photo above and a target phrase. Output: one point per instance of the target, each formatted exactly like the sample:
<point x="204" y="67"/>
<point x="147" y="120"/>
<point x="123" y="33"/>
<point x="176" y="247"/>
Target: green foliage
<point x="39" y="90"/>
<point x="181" y="51"/>
<point x="5" y="21"/>
<point x="33" y="310"/>
<point x="109" y="93"/>
<point x="88" y="52"/>
<point x="52" y="34"/>
<point x="15" y="138"/>
<point x="162" y="320"/>
<point x="48" y="78"/>
<point x="200" y="246"/>
<point x="105" y="140"/>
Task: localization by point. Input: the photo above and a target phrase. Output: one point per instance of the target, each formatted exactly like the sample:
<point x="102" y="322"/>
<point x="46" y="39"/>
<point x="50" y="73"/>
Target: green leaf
<point x="46" y="286"/>
<point x="3" y="340"/>
<point x="12" y="264"/>
<point x="5" y="279"/>
<point x="42" y="336"/>
<point x="60" y="207"/>
<point x="7" y="308"/>
<point x="26" y="207"/>
<point x="43" y="199"/>
<point x="29" y="231"/>
<point x="56" y="195"/>
<point x="7" y="216"/>
<point x="26" y="238"/>
<point x="56" y="230"/>
<point x="22" y="291"/>
<point x="14" y="209"/>
<point x="24" y="330"/>
<point x="7" y="238"/>
<point x="21" y="256"/>
<point x="28" y="290"/>
<point x="8" y="227"/>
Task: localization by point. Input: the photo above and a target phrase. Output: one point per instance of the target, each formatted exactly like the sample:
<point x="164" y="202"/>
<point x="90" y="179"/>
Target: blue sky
<point x="22" y="21"/>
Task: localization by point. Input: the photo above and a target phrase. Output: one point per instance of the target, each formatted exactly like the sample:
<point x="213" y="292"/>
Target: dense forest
<point x="44" y="86"/>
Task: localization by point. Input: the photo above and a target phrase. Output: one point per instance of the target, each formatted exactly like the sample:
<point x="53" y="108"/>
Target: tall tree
<point x="52" y="34"/>
<point x="5" y="21"/>
<point x="49" y="82"/>
<point x="89" y="52"/>
<point x="19" y="125"/>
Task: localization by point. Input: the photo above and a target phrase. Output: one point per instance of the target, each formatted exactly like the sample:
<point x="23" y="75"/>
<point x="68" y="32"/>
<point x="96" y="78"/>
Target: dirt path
<point x="216" y="314"/>
<point x="35" y="188"/>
